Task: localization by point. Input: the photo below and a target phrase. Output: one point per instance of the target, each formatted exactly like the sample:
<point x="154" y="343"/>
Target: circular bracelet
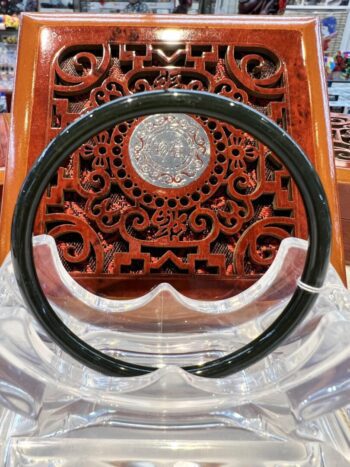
<point x="172" y="101"/>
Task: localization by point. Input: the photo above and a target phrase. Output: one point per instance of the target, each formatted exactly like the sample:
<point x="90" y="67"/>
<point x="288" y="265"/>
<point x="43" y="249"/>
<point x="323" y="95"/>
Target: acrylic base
<point x="286" y="410"/>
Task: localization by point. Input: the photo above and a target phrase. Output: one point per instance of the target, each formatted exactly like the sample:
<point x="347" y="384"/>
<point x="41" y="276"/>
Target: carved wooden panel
<point x="109" y="216"/>
<point x="218" y="224"/>
<point x="341" y="138"/>
<point x="341" y="142"/>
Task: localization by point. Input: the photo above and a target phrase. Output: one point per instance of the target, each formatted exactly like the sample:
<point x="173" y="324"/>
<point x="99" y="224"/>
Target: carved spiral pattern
<point x="228" y="220"/>
<point x="341" y="135"/>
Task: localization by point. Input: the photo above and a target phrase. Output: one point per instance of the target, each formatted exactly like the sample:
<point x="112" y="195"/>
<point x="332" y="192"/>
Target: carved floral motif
<point x="107" y="217"/>
<point x="341" y="135"/>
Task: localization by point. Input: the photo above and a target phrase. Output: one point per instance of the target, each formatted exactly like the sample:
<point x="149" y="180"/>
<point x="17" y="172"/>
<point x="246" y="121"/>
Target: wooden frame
<point x="295" y="41"/>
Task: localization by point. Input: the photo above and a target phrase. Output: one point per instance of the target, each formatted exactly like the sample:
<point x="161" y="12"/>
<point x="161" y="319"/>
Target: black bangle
<point x="170" y="101"/>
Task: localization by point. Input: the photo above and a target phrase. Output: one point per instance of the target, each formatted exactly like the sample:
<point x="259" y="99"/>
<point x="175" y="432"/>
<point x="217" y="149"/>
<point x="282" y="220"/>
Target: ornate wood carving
<point x="341" y="142"/>
<point x="107" y="218"/>
<point x="341" y="137"/>
<point x="222" y="227"/>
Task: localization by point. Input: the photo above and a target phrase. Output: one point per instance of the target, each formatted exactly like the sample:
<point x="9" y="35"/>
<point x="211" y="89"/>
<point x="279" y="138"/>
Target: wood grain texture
<point x="341" y="141"/>
<point x="344" y="198"/>
<point x="346" y="230"/>
<point x="4" y="137"/>
<point x="4" y="142"/>
<point x="85" y="62"/>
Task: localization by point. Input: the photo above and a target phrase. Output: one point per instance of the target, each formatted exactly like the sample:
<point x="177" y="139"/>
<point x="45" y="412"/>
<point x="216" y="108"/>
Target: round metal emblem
<point x="169" y="150"/>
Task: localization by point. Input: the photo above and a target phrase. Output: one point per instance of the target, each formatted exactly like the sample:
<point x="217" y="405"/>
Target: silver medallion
<point x="169" y="150"/>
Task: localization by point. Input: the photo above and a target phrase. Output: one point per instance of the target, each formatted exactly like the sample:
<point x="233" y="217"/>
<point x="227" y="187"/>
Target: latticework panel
<point x="225" y="221"/>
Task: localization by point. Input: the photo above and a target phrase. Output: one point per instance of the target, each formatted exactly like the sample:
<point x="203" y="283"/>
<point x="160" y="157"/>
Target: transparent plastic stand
<point x="289" y="409"/>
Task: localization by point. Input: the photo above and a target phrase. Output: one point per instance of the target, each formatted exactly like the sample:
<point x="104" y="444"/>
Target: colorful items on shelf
<point x="338" y="67"/>
<point x="328" y="31"/>
<point x="212" y="60"/>
<point x="9" y="22"/>
<point x="11" y="39"/>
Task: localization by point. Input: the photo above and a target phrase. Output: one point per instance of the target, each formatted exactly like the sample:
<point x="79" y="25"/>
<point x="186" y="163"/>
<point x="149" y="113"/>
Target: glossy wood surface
<point x="344" y="197"/>
<point x="61" y="77"/>
<point x="4" y="143"/>
<point x="341" y="141"/>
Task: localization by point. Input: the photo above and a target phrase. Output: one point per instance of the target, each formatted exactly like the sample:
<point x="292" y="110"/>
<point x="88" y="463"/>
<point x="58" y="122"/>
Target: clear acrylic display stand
<point x="289" y="409"/>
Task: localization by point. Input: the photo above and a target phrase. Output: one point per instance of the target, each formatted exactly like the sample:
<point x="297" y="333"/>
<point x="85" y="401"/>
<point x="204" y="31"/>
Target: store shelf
<point x="318" y="7"/>
<point x="94" y="6"/>
<point x="8" y="32"/>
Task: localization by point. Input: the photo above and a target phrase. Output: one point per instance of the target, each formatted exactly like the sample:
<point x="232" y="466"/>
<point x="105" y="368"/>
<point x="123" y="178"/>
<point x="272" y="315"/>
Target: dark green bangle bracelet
<point x="172" y="101"/>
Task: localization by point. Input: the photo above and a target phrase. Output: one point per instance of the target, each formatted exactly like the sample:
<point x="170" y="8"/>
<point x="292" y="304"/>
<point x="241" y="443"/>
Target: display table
<point x="285" y="410"/>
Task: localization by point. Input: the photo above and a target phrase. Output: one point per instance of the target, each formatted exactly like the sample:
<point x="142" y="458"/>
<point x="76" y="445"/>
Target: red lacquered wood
<point x="341" y="141"/>
<point x="4" y="137"/>
<point x="4" y="142"/>
<point x="76" y="62"/>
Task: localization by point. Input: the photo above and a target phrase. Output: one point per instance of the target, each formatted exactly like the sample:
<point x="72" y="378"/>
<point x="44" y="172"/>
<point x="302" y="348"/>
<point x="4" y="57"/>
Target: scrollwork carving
<point x="228" y="206"/>
<point x="341" y="136"/>
<point x="259" y="74"/>
<point x="83" y="71"/>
